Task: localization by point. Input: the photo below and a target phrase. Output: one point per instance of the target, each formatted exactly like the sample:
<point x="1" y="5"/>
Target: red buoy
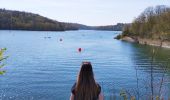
<point x="79" y="49"/>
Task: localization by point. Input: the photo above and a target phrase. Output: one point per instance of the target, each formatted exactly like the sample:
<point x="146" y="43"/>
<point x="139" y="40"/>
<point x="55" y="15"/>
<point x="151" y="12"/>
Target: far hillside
<point x="20" y="20"/>
<point x="17" y="20"/>
<point x="117" y="27"/>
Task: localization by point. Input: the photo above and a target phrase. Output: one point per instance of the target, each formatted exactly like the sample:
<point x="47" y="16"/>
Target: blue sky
<point x="89" y="12"/>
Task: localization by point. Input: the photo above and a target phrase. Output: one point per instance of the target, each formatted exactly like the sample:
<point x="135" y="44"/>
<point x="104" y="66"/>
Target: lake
<point x="41" y="67"/>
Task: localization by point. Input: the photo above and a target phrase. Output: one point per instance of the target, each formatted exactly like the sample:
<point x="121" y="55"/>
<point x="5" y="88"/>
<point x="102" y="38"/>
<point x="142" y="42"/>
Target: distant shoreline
<point x="57" y="31"/>
<point x="35" y="30"/>
<point x="20" y="20"/>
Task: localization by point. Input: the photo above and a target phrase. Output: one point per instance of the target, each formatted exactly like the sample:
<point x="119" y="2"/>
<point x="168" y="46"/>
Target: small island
<point x="151" y="27"/>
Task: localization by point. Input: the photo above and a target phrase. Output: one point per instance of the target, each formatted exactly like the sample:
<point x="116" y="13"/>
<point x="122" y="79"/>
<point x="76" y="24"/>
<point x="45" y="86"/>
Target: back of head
<point x="86" y="87"/>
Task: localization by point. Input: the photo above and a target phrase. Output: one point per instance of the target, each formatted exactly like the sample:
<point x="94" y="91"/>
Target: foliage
<point x="117" y="27"/>
<point x="118" y="36"/>
<point x="1" y="60"/>
<point x="16" y="20"/>
<point x="153" y="23"/>
<point x="123" y="94"/>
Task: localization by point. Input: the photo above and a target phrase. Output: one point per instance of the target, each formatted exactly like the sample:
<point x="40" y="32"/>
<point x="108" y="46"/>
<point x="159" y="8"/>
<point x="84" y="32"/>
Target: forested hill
<point x="117" y="27"/>
<point x="16" y="20"/>
<point x="153" y="23"/>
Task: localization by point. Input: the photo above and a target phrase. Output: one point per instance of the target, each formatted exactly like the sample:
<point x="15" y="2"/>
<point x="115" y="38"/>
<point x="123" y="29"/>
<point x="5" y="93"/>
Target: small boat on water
<point x="47" y="37"/>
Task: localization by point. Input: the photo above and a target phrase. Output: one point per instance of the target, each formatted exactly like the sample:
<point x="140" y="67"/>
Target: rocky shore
<point x="165" y="44"/>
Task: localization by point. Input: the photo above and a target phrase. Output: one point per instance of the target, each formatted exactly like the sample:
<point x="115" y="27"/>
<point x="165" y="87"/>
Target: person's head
<point x="86" y="87"/>
<point x="85" y="74"/>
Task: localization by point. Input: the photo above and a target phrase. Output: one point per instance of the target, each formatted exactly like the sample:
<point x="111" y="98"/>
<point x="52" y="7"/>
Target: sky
<point x="88" y="12"/>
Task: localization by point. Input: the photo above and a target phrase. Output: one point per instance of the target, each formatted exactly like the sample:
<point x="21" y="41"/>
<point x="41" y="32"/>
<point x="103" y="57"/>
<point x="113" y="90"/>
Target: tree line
<point x="117" y="27"/>
<point x="153" y="23"/>
<point x="17" y="20"/>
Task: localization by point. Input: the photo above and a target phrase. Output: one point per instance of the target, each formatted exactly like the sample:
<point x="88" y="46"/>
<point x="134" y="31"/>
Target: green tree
<point x="1" y="60"/>
<point x="153" y="23"/>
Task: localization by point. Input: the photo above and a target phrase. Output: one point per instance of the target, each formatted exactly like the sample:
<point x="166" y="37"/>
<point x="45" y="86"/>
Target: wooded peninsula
<point x="151" y="27"/>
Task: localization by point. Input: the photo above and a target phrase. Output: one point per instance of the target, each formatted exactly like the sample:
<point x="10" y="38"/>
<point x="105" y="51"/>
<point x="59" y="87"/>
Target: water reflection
<point x="154" y="62"/>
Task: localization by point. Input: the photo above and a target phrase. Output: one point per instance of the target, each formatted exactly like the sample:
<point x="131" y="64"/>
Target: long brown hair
<point x="86" y="87"/>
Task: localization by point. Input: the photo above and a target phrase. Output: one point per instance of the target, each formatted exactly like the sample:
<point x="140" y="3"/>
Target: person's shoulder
<point x="99" y="88"/>
<point x="98" y="85"/>
<point x="73" y="89"/>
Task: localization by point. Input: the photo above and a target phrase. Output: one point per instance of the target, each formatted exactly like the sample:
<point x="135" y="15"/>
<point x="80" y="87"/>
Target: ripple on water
<point x="46" y="69"/>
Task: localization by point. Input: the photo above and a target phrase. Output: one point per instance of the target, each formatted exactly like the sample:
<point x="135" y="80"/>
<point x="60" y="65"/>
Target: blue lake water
<point x="40" y="68"/>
